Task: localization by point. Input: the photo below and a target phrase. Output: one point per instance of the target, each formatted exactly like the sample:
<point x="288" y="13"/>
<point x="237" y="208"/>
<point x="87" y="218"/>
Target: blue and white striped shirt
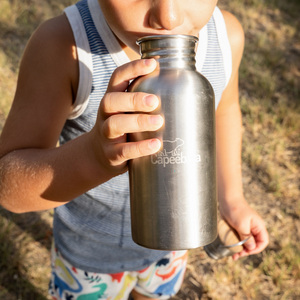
<point x="93" y="232"/>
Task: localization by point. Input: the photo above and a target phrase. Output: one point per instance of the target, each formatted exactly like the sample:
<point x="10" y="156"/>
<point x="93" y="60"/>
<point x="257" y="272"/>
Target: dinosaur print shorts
<point x="160" y="280"/>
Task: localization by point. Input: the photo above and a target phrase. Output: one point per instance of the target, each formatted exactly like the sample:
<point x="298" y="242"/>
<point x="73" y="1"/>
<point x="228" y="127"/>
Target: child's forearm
<point x="229" y="141"/>
<point x="38" y="179"/>
<point x="34" y="176"/>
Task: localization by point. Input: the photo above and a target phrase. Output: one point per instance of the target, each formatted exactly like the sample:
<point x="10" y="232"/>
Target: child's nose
<point x="165" y="14"/>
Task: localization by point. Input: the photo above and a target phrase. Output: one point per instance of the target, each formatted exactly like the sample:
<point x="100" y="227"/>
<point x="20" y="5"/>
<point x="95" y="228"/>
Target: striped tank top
<point x="93" y="231"/>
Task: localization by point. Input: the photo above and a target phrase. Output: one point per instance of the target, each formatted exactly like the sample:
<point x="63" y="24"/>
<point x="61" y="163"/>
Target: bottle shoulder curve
<point x="167" y="79"/>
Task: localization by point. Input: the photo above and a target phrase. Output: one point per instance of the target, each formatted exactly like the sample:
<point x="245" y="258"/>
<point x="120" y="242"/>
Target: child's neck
<point x="132" y="55"/>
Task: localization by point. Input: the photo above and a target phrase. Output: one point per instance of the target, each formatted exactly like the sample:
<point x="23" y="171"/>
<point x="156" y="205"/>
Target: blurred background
<point x="270" y="103"/>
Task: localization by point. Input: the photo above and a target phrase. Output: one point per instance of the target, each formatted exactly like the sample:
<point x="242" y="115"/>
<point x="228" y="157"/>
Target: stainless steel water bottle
<point x="173" y="192"/>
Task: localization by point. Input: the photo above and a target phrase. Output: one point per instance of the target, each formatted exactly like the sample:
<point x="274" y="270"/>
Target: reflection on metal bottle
<point x="173" y="192"/>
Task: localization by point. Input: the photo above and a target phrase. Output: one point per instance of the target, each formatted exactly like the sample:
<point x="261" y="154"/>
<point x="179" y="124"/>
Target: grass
<point x="270" y="104"/>
<point x="24" y="255"/>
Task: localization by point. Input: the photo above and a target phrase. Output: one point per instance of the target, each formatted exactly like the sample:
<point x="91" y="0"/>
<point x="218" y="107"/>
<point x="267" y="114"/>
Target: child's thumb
<point x="249" y="241"/>
<point x="244" y="231"/>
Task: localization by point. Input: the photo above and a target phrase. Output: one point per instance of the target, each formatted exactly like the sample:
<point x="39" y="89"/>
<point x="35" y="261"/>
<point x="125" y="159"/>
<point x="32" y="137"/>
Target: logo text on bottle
<point x="172" y="154"/>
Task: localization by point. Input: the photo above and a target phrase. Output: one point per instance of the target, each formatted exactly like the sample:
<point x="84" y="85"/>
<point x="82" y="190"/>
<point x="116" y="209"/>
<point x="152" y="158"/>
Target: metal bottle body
<point x="173" y="192"/>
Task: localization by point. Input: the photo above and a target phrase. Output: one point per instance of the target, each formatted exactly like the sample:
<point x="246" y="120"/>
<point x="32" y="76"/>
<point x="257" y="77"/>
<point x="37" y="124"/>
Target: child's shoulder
<point x="51" y="53"/>
<point x="53" y="38"/>
<point x="235" y="34"/>
<point x="236" y="38"/>
<point x="47" y="83"/>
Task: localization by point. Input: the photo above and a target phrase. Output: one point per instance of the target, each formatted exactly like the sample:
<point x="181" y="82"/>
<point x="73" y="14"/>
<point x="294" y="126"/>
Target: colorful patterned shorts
<point x="160" y="280"/>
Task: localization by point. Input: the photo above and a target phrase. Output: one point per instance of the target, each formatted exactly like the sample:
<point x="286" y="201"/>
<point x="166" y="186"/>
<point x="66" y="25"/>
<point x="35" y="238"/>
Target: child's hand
<point x="246" y="222"/>
<point x="109" y="139"/>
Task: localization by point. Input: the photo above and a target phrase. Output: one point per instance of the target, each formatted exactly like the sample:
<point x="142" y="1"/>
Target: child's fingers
<point x="261" y="241"/>
<point x="128" y="102"/>
<point x="126" y="151"/>
<point x="250" y="243"/>
<point x="120" y="78"/>
<point x="120" y="124"/>
<point x="235" y="256"/>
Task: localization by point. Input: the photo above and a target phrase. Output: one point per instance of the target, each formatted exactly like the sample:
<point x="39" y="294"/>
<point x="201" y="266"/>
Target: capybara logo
<point x="171" y="147"/>
<point x="172" y="154"/>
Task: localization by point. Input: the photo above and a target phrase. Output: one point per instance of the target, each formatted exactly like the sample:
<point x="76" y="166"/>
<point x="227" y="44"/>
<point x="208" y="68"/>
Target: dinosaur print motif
<point x="64" y="280"/>
<point x="127" y="283"/>
<point x="168" y="287"/>
<point x="117" y="276"/>
<point x="95" y="295"/>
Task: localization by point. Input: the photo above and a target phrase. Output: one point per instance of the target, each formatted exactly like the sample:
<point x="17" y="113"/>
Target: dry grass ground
<point x="270" y="102"/>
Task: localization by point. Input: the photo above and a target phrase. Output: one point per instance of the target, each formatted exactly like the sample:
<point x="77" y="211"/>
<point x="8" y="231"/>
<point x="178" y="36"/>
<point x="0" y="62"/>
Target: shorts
<point x="161" y="280"/>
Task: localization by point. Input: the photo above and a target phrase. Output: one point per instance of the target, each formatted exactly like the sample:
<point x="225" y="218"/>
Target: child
<point x="71" y="87"/>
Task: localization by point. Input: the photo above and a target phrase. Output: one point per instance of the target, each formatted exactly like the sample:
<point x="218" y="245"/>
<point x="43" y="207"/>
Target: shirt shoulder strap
<point x="84" y="60"/>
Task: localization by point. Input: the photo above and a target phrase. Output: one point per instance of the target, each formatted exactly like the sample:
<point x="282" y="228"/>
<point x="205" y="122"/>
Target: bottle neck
<point x="170" y="51"/>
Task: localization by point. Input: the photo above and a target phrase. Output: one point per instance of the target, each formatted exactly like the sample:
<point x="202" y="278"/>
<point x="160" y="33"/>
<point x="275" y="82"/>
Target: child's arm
<point x="34" y="173"/>
<point x="232" y="204"/>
